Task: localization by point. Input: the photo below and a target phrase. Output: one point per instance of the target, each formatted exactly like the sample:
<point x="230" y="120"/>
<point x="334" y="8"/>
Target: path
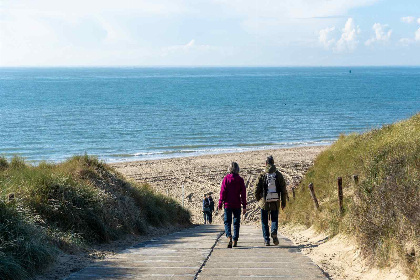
<point x="201" y="253"/>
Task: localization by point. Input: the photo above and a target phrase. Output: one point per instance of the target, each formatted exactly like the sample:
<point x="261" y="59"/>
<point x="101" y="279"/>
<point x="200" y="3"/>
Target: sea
<point x="130" y="113"/>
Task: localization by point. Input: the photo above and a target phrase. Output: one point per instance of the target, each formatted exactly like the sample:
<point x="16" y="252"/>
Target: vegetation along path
<point x="201" y="253"/>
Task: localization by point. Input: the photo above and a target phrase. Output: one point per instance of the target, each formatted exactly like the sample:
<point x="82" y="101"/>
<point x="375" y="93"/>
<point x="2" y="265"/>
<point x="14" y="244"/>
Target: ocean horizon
<point x="137" y="113"/>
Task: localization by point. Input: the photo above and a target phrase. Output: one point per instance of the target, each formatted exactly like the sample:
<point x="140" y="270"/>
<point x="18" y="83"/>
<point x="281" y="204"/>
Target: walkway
<point x="201" y="253"/>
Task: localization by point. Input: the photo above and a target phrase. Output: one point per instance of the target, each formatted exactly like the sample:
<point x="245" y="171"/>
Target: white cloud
<point x="185" y="47"/>
<point x="408" y="41"/>
<point x="93" y="32"/>
<point x="408" y="19"/>
<point x="324" y="37"/>
<point x="382" y="34"/>
<point x="405" y="41"/>
<point x="347" y="41"/>
<point x="417" y="35"/>
<point x="190" y="46"/>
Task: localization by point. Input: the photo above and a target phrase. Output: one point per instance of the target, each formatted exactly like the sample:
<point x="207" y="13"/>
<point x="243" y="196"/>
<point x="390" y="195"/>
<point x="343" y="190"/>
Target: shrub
<point x="61" y="206"/>
<point x="3" y="163"/>
<point x="24" y="247"/>
<point x="382" y="210"/>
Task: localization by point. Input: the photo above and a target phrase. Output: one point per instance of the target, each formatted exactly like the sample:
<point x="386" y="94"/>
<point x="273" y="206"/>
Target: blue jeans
<point x="236" y="222"/>
<point x="274" y="223"/>
<point x="206" y="215"/>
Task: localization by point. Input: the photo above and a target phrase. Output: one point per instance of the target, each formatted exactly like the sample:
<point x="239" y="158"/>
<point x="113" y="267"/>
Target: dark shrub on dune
<point x="81" y="201"/>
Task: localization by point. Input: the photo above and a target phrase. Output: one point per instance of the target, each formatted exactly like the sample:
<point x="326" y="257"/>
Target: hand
<point x="282" y="207"/>
<point x="243" y="211"/>
<point x="220" y="207"/>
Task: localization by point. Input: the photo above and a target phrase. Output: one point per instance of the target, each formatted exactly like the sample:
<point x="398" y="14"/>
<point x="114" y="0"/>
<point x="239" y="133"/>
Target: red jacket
<point x="233" y="192"/>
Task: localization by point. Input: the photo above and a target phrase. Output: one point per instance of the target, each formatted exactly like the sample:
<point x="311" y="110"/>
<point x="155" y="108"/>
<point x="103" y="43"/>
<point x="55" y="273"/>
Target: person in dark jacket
<point x="271" y="194"/>
<point x="232" y="195"/>
<point x="206" y="209"/>
<point x="211" y="208"/>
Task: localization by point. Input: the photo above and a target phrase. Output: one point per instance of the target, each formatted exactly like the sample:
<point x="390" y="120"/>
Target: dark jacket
<point x="206" y="205"/>
<point x="211" y="204"/>
<point x="261" y="189"/>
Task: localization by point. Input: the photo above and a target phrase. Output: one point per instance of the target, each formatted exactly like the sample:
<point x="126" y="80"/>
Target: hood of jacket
<point x="231" y="175"/>
<point x="270" y="168"/>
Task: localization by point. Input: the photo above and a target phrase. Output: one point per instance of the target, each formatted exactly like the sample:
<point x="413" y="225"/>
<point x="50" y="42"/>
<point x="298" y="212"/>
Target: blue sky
<point x="209" y="33"/>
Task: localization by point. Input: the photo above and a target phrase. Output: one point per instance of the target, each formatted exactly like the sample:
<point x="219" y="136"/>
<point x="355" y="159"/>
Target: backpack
<point x="272" y="194"/>
<point x="206" y="205"/>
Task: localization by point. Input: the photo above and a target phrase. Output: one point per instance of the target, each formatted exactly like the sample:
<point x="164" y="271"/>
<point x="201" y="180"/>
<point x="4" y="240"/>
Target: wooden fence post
<point x="340" y="194"/>
<point x="311" y="188"/>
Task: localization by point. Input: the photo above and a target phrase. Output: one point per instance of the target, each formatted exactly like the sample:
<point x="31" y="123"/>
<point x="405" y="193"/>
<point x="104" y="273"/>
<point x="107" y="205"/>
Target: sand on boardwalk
<point x="204" y="174"/>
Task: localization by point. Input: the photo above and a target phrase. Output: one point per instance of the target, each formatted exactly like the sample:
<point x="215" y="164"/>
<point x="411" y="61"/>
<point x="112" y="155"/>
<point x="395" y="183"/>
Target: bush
<point x="24" y="247"/>
<point x="62" y="206"/>
<point x="382" y="210"/>
<point x="3" y="163"/>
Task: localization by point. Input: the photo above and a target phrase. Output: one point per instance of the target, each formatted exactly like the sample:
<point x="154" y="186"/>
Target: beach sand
<point x="339" y="257"/>
<point x="204" y="174"/>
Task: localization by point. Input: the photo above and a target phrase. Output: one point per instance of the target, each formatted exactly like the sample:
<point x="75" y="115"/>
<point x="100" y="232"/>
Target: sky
<point x="209" y="33"/>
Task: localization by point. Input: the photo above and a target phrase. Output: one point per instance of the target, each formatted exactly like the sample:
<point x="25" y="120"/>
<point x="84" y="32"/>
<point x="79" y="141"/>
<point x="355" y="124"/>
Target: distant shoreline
<point x="221" y="151"/>
<point x="169" y="155"/>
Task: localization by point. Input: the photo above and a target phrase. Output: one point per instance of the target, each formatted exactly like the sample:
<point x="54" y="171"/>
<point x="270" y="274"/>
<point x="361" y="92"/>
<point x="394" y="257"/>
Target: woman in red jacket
<point x="232" y="195"/>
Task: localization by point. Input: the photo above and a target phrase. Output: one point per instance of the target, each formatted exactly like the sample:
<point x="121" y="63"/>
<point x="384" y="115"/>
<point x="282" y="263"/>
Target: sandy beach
<point x="338" y="257"/>
<point x="203" y="174"/>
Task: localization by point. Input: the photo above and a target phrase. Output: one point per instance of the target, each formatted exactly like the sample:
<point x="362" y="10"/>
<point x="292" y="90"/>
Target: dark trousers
<point x="236" y="222"/>
<point x="274" y="223"/>
<point x="206" y="215"/>
<point x="210" y="216"/>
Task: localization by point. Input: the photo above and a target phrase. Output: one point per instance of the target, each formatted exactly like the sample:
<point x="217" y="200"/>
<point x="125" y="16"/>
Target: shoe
<point x="275" y="239"/>
<point x="230" y="243"/>
<point x="235" y="243"/>
<point x="267" y="243"/>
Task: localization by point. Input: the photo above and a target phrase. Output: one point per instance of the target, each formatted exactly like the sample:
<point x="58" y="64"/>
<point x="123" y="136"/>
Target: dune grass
<point x="52" y="207"/>
<point x="383" y="210"/>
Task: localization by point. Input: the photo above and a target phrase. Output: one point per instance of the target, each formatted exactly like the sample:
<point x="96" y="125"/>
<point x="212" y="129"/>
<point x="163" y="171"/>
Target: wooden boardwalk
<point x="201" y="253"/>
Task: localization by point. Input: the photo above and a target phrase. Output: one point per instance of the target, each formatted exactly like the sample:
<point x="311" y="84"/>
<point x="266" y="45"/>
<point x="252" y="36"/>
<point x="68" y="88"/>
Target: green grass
<point x="52" y="207"/>
<point x="382" y="211"/>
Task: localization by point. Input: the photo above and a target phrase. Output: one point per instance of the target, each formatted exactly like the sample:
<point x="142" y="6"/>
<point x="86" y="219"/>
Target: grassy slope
<point x="69" y="205"/>
<point x="383" y="210"/>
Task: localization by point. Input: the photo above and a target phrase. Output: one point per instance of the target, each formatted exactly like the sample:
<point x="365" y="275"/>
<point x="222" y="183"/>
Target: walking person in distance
<point x="206" y="209"/>
<point x="211" y="208"/>
<point x="232" y="195"/>
<point x="271" y="194"/>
